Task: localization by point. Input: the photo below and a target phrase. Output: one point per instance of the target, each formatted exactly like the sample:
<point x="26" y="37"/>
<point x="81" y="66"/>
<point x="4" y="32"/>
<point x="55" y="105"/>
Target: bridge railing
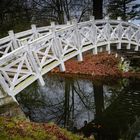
<point x="15" y="40"/>
<point x="33" y="58"/>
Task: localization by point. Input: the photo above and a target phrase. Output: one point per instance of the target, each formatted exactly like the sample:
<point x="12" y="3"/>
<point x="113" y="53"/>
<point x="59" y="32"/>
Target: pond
<point x="111" y="109"/>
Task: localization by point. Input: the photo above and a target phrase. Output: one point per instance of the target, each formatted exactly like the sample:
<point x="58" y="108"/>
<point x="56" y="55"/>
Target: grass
<point x="19" y="129"/>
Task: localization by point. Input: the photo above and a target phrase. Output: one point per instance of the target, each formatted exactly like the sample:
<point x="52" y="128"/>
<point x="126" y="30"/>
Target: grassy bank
<point x="19" y="129"/>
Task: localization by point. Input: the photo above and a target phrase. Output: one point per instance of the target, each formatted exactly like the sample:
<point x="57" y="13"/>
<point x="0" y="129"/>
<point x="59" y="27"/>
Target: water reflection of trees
<point x="120" y="114"/>
<point x="63" y="101"/>
<point x="68" y="101"/>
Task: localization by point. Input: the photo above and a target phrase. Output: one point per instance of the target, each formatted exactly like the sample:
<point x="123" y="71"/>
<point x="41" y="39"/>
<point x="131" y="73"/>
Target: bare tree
<point x="127" y="9"/>
<point x="98" y="9"/>
<point x="14" y="15"/>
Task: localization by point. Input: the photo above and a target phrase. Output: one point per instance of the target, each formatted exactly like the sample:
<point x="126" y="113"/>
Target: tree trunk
<point x="66" y="9"/>
<point x="124" y="10"/>
<point x="99" y="100"/>
<point x="66" y="103"/>
<point x="59" y="4"/>
<point x="98" y="9"/>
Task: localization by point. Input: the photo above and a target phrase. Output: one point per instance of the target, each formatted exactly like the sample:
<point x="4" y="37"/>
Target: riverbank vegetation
<point x="19" y="129"/>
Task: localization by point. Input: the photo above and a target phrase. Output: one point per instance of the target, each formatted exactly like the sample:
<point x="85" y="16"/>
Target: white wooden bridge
<point x="27" y="56"/>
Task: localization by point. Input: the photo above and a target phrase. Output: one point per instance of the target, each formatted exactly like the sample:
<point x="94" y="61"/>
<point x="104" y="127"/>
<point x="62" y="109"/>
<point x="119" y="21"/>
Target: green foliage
<point x="124" y="66"/>
<point x="127" y="9"/>
<point x="14" y="15"/>
<point x="18" y="129"/>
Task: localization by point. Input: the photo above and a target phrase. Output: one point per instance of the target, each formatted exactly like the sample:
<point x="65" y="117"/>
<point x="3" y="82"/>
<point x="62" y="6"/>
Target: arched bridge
<point x="27" y="56"/>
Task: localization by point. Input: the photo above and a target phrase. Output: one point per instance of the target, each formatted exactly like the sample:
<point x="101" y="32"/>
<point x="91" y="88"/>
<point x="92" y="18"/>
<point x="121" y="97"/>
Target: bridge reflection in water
<point x="69" y="102"/>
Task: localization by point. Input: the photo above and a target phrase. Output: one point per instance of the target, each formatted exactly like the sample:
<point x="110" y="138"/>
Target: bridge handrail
<point x="23" y="35"/>
<point x="12" y="54"/>
<point x="60" y="44"/>
<point x="102" y="21"/>
<point x="59" y="29"/>
<point x="62" y="28"/>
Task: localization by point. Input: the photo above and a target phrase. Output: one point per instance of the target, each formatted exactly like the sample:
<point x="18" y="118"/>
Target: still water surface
<point x="113" y="107"/>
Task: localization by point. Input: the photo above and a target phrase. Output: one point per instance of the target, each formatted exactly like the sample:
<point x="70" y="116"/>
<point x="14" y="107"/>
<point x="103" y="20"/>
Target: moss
<point x="19" y="129"/>
<point x="6" y="107"/>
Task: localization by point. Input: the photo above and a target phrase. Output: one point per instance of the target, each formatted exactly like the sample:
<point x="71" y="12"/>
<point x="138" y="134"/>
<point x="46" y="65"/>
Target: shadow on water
<point x="112" y="111"/>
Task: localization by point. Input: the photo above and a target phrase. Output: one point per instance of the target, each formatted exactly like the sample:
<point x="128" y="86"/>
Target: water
<point x="112" y="109"/>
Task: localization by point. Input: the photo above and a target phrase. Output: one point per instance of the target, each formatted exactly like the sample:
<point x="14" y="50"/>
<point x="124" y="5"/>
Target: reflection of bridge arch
<point x="28" y="55"/>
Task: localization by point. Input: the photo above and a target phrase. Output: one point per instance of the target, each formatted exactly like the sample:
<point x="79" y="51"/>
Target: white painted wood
<point x="128" y="46"/>
<point x="4" y="40"/>
<point x="68" y="23"/>
<point x="24" y="33"/>
<point x="119" y="18"/>
<point x="13" y="38"/>
<point x="93" y="35"/>
<point x="137" y="48"/>
<point x="34" y="30"/>
<point x="26" y="56"/>
<point x="77" y="39"/>
<point x="62" y="66"/>
<point x="34" y="65"/>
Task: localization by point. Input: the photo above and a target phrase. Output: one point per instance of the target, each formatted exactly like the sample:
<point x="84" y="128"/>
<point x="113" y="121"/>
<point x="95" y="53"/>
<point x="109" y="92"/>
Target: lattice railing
<point x="26" y="56"/>
<point x="13" y="41"/>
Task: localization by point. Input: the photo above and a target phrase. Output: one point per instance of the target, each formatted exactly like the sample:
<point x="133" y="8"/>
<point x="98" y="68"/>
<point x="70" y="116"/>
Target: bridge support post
<point x="119" y="46"/>
<point x="77" y="40"/>
<point x="95" y="51"/>
<point x="116" y="55"/>
<point x="120" y="33"/>
<point x="6" y="89"/>
<point x="57" y="47"/>
<point x="94" y="35"/>
<point x="34" y="65"/>
<point x="100" y="49"/>
<point x="13" y="38"/>
<point x="108" y="48"/>
<point x="80" y="56"/>
<point x="62" y="67"/>
<point x="107" y="33"/>
<point x="68" y="23"/>
<point x="34" y="30"/>
<point x="137" y="48"/>
<point x="128" y="46"/>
